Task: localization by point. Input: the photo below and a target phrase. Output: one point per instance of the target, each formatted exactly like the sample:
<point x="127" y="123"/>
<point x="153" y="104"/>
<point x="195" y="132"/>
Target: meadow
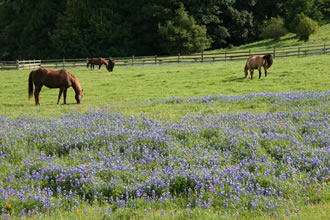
<point x="127" y="87"/>
<point x="170" y="142"/>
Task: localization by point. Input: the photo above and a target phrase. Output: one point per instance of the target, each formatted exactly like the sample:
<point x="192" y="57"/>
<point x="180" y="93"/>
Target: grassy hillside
<point x="289" y="40"/>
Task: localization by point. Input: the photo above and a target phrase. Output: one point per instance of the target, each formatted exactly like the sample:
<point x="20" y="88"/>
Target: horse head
<point x="79" y="95"/>
<point x="269" y="60"/>
<point x="111" y="64"/>
<point x="77" y="88"/>
<point x="246" y="70"/>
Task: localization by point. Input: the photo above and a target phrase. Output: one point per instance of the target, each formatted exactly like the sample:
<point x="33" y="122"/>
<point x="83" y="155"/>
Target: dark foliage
<point x="35" y="29"/>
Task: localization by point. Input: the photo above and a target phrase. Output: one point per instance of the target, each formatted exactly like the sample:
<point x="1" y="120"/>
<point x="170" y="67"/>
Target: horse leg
<point x="251" y="73"/>
<point x="259" y="73"/>
<point x="37" y="93"/>
<point x="59" y="95"/>
<point x="100" y="66"/>
<point x="64" y="95"/>
<point x="265" y="68"/>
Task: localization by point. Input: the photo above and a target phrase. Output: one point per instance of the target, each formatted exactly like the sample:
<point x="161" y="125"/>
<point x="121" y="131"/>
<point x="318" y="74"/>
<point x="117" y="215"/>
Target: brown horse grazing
<point x="256" y="62"/>
<point x="99" y="62"/>
<point x="61" y="79"/>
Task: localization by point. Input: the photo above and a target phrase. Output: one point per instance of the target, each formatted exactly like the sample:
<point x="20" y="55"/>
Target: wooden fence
<point x="204" y="57"/>
<point x="28" y="64"/>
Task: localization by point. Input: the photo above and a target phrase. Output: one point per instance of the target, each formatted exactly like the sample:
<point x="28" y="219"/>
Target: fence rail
<point x="28" y="64"/>
<point x="204" y="57"/>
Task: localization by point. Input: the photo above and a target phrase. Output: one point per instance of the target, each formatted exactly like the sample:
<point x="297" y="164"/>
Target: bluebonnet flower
<point x="102" y="155"/>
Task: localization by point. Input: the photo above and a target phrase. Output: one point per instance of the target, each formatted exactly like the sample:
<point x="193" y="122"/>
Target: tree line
<point x="42" y="29"/>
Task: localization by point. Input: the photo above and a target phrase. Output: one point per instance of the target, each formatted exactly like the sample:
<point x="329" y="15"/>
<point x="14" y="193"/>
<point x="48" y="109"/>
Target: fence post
<point x="63" y="63"/>
<point x="225" y="56"/>
<point x="274" y="52"/>
<point x="324" y="50"/>
<point x="249" y="52"/>
<point x="17" y="64"/>
<point x="298" y="51"/>
<point x="202" y="58"/>
<point x="179" y="58"/>
<point x="155" y="59"/>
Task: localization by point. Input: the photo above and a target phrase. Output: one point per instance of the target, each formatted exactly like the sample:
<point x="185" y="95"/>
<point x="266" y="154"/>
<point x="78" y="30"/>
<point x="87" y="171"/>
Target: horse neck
<point x="105" y="62"/>
<point x="75" y="85"/>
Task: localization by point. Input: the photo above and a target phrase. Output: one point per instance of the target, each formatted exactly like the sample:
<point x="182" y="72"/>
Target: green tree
<point x="311" y="8"/>
<point x="240" y="25"/>
<point x="145" y="16"/>
<point x="8" y="28"/>
<point x="39" y="18"/>
<point x="325" y="10"/>
<point x="306" y="26"/>
<point x="24" y="27"/>
<point x="209" y="14"/>
<point x="183" y="35"/>
<point x="274" y="28"/>
<point x="90" y="29"/>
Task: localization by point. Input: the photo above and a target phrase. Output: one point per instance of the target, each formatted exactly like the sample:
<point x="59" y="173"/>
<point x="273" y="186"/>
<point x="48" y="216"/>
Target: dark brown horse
<point x="111" y="64"/>
<point x="100" y="61"/>
<point x="61" y="79"/>
<point x="256" y="62"/>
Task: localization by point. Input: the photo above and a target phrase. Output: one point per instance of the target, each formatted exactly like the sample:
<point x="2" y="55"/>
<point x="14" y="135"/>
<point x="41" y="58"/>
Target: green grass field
<point x="134" y="91"/>
<point x="126" y="87"/>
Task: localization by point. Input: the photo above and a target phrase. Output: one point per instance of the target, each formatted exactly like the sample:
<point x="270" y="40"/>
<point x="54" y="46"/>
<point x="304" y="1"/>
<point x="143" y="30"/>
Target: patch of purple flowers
<point x="224" y="162"/>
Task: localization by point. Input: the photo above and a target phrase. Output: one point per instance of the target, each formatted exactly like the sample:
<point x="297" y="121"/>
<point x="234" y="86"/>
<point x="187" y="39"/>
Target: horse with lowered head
<point x="256" y="62"/>
<point x="100" y="61"/>
<point x="61" y="79"/>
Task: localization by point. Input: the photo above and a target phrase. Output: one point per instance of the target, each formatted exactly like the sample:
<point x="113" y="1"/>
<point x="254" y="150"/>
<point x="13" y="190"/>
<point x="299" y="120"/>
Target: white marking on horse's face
<point x="78" y="98"/>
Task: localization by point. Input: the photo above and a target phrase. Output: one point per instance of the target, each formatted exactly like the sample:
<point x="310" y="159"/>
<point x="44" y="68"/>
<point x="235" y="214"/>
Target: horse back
<point x="52" y="78"/>
<point x="97" y="61"/>
<point x="254" y="62"/>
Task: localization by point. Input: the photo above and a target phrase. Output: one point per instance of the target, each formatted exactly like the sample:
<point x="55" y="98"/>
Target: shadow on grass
<point x="29" y="105"/>
<point x="234" y="79"/>
<point x="274" y="43"/>
<point x="13" y="105"/>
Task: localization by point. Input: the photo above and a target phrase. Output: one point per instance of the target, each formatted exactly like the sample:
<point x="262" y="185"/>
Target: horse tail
<point x="269" y="60"/>
<point x="30" y="85"/>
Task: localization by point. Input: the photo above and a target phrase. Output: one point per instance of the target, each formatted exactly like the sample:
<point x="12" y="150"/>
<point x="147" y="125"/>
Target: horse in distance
<point x="61" y="79"/>
<point x="257" y="62"/>
<point x="100" y="61"/>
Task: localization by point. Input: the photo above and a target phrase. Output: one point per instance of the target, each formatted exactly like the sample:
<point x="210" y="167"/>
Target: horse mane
<point x="104" y="61"/>
<point x="75" y="82"/>
<point x="269" y="60"/>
